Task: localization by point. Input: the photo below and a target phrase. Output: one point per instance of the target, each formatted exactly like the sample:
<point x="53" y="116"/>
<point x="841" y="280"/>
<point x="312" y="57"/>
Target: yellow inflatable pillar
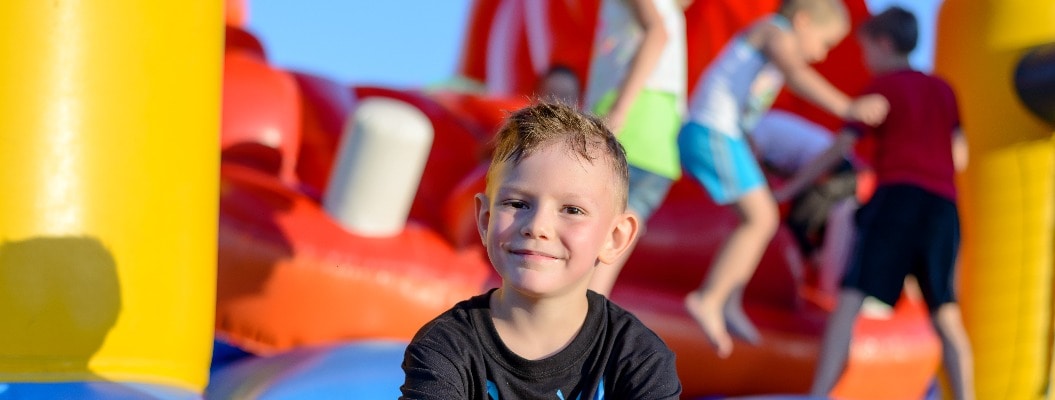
<point x="1007" y="193"/>
<point x="109" y="166"/>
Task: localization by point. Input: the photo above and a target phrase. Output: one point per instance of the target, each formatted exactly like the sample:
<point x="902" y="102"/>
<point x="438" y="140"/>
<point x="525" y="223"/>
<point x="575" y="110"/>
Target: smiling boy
<point x="554" y="209"/>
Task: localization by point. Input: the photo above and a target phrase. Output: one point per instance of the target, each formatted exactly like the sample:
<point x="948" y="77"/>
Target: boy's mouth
<point x="533" y="254"/>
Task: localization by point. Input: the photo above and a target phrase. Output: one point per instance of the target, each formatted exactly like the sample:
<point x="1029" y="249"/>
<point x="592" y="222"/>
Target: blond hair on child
<point x="821" y="11"/>
<point x="534" y="127"/>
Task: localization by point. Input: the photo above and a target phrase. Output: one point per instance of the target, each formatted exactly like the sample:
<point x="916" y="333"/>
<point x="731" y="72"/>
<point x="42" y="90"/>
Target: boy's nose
<point x="536" y="225"/>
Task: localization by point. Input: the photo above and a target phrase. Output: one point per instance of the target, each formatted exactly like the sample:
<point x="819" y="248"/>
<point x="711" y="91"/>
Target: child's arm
<point x="654" y="376"/>
<point x="959" y="150"/>
<point x="842" y="146"/>
<point x="782" y="50"/>
<point x="428" y="375"/>
<point x="644" y="61"/>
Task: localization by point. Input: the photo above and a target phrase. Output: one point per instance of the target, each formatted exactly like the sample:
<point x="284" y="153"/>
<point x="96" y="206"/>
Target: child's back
<point x="910" y="226"/>
<point x="914" y="144"/>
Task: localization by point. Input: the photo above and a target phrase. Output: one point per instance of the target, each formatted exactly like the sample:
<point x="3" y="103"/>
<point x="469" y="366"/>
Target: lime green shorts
<point x="650" y="132"/>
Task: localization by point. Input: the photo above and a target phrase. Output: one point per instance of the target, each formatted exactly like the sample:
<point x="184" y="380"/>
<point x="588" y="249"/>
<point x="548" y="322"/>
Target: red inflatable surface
<point x="289" y="275"/>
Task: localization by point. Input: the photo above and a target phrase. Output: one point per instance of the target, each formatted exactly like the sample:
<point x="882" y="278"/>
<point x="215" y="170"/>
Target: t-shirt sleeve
<point x="647" y="370"/>
<point x="654" y="377"/>
<point x="431" y="374"/>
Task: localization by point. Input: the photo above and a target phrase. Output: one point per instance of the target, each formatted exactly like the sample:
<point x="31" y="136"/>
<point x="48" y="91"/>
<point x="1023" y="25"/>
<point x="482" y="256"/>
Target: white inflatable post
<point x="378" y="167"/>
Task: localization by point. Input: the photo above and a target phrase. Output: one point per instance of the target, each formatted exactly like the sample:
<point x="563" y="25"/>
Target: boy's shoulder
<point x="908" y="76"/>
<point x="910" y="82"/>
<point x="459" y="322"/>
<point x="624" y="325"/>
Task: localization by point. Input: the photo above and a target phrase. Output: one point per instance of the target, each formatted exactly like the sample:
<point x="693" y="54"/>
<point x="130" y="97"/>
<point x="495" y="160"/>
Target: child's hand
<point x="870" y="109"/>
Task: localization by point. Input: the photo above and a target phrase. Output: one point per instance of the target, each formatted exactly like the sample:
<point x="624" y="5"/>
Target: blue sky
<point x="397" y="43"/>
<point x="412" y="43"/>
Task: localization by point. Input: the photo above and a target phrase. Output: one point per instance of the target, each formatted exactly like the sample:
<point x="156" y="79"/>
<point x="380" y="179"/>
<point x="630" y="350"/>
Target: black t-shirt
<point x="459" y="355"/>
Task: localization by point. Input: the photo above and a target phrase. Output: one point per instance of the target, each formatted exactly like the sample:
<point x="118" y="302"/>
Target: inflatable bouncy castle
<point x="173" y="196"/>
<point x="998" y="57"/>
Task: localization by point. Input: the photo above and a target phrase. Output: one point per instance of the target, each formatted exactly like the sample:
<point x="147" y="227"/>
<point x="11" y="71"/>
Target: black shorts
<point x="905" y="230"/>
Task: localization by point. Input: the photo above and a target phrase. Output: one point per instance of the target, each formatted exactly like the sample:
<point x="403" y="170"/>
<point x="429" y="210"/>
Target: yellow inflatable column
<point x="109" y="165"/>
<point x="1007" y="193"/>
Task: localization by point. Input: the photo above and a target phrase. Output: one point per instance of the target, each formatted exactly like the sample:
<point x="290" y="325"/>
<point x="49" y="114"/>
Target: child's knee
<point x="767" y="218"/>
<point x="948" y="321"/>
<point x="759" y="210"/>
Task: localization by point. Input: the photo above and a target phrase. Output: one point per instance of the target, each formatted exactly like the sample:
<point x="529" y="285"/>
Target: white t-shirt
<point x="735" y="86"/>
<point x="617" y="41"/>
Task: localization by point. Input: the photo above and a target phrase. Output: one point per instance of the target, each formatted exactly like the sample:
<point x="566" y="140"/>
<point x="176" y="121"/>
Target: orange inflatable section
<point x="289" y="276"/>
<point x="252" y="88"/>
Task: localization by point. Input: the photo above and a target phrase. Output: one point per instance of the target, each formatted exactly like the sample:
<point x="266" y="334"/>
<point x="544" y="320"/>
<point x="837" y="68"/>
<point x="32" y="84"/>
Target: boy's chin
<point x="541" y="290"/>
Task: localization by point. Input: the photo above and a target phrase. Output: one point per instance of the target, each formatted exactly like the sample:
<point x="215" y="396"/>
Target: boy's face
<point x="874" y="51"/>
<point x="817" y="38"/>
<point x="549" y="220"/>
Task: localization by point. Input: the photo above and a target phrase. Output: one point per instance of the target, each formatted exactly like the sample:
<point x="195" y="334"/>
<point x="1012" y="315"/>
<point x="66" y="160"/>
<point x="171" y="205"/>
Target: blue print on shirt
<point x="492" y="392"/>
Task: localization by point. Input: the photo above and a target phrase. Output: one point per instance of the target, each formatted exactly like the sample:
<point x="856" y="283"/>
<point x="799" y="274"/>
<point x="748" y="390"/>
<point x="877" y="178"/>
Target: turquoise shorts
<point x="647" y="192"/>
<point x="723" y="164"/>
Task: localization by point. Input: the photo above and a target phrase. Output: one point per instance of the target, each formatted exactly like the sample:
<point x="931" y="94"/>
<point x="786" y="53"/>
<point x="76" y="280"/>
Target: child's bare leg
<point x="736" y="319"/>
<point x="955" y="350"/>
<point x="838" y="242"/>
<point x="732" y="268"/>
<point x="835" y="347"/>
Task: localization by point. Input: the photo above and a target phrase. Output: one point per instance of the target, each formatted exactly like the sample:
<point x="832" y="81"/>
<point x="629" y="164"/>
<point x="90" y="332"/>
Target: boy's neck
<point x="896" y="63"/>
<point x="536" y="329"/>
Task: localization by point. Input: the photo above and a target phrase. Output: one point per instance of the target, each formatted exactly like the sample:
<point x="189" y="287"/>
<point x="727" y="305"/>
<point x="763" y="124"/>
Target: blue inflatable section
<point x="362" y="370"/>
<point x="224" y="354"/>
<point x="101" y="390"/>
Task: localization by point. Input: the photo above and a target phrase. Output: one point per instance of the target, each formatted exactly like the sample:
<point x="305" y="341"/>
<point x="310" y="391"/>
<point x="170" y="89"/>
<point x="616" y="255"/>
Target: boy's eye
<point x="574" y="210"/>
<point x="515" y="204"/>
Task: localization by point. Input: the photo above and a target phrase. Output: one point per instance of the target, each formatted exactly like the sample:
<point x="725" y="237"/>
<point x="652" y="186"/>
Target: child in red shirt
<point x="910" y="225"/>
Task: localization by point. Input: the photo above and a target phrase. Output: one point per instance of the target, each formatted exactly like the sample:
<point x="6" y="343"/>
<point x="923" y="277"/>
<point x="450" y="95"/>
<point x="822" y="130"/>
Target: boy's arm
<point x="805" y="176"/>
<point x="653" y="378"/>
<point x="959" y="150"/>
<point x="782" y="50"/>
<point x="644" y="61"/>
<point x="430" y="375"/>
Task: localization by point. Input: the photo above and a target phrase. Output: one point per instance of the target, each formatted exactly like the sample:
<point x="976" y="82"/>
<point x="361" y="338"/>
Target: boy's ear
<point x="622" y="236"/>
<point x="483" y="214"/>
<point x="800" y="19"/>
<point x="886" y="43"/>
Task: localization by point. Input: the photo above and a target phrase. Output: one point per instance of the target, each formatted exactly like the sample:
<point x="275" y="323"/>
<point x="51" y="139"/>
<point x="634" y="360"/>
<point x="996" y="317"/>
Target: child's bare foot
<point x="711" y="320"/>
<point x="738" y="323"/>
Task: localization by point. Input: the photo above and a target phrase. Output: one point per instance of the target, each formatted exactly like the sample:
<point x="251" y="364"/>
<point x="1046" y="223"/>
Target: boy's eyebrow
<point x="577" y="197"/>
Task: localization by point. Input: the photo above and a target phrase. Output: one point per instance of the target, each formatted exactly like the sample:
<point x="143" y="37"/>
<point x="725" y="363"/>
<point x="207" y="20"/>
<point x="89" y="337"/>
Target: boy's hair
<point x="821" y="11"/>
<point x="536" y="126"/>
<point x="897" y="24"/>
